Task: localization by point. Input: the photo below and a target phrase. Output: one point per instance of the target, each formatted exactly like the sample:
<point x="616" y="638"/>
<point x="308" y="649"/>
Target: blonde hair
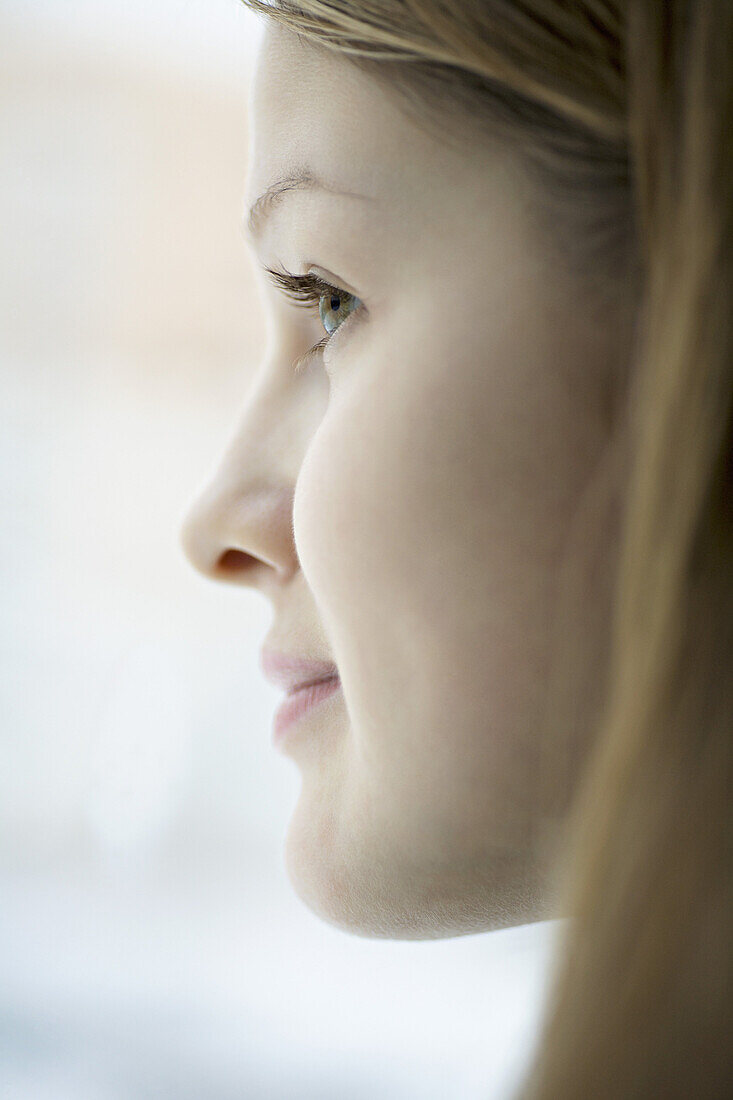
<point x="623" y="107"/>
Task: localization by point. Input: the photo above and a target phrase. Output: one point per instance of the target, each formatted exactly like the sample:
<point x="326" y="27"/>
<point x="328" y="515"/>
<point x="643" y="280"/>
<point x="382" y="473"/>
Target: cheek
<point x="359" y="514"/>
<point x="428" y="515"/>
<point x="437" y="480"/>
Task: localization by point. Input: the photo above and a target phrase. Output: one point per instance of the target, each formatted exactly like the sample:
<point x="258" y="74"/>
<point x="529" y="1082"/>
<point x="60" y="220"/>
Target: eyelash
<point x="306" y="291"/>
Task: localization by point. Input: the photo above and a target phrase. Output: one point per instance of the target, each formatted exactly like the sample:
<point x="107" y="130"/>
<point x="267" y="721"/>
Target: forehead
<point x="311" y="106"/>
<point x="313" y="110"/>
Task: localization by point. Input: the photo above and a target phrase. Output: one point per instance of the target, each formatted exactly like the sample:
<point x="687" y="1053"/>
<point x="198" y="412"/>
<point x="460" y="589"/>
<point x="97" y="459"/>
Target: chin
<point x="366" y="896"/>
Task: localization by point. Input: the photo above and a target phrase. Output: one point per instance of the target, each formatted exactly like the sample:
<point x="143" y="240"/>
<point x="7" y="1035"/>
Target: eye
<point x="334" y="305"/>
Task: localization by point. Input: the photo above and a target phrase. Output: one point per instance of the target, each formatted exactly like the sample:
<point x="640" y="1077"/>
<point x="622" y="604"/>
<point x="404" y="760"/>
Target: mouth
<point x="300" y="701"/>
<point x="312" y="683"/>
<point x="293" y="672"/>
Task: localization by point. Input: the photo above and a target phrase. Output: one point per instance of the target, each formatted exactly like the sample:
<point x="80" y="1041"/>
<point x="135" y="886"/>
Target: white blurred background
<point x="150" y="942"/>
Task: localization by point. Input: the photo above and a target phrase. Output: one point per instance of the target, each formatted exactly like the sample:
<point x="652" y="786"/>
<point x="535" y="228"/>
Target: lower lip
<point x="300" y="703"/>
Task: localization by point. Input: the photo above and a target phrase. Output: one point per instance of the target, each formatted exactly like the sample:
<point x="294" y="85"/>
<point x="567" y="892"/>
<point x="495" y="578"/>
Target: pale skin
<point x="413" y="502"/>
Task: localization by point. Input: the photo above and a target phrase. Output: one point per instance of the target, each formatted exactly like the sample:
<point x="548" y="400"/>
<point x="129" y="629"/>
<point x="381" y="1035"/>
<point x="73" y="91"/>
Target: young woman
<point x="484" y="476"/>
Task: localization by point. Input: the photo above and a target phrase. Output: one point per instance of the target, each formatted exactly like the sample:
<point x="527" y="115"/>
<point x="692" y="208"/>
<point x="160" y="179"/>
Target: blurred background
<point x="150" y="942"/>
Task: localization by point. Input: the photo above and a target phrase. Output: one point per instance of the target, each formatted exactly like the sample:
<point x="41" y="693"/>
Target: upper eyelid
<point x="303" y="289"/>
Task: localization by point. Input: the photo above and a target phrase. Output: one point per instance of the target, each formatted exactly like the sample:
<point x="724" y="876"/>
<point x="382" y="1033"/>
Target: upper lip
<point x="293" y="673"/>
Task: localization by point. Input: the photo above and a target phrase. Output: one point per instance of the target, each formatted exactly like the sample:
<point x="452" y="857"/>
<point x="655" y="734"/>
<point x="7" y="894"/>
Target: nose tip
<point x="239" y="539"/>
<point x="199" y="551"/>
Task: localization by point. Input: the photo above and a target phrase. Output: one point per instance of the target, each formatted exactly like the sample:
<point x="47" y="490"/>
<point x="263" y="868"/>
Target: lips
<point x="295" y="673"/>
<point x="297" y="705"/>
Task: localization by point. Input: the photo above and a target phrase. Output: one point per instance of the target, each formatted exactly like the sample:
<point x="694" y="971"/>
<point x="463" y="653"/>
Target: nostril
<point x="234" y="561"/>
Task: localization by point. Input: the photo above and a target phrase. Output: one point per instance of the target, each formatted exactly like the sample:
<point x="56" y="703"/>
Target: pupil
<point x="335" y="303"/>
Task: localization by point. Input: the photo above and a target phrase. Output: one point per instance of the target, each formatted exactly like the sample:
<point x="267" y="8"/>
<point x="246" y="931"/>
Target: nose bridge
<point x="241" y="521"/>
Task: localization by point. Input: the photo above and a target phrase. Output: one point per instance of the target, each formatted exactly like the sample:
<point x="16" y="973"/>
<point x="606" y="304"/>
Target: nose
<point x="239" y="528"/>
<point x="243" y="537"/>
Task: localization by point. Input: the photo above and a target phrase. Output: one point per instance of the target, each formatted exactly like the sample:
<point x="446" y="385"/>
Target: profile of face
<point x="414" y="500"/>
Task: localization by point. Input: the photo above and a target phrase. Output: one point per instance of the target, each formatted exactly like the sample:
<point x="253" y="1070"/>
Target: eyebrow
<point x="300" y="180"/>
